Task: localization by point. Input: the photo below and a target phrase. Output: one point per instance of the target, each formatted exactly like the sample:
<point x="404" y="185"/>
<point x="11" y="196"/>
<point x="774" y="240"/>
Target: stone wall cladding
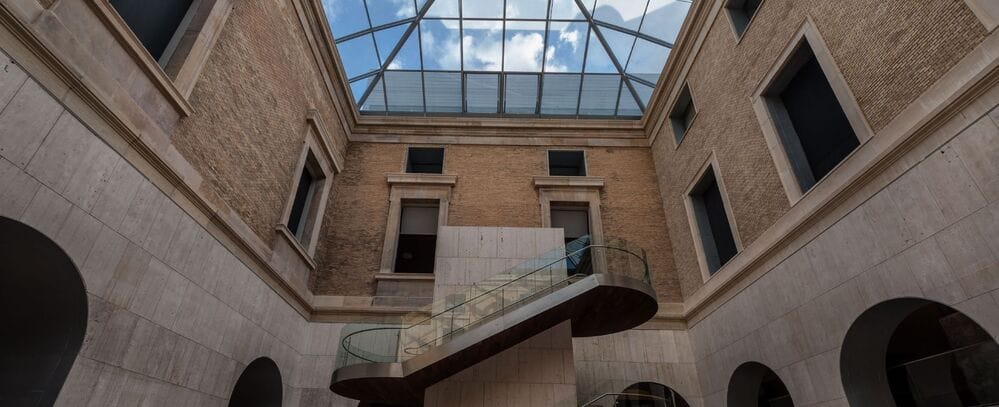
<point x="250" y="104"/>
<point x="885" y="63"/>
<point x="494" y="188"/>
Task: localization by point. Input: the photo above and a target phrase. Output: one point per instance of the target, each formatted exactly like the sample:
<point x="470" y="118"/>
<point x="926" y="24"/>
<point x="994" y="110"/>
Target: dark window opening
<point x="756" y="385"/>
<point x="773" y="392"/>
<point x="939" y="357"/>
<point x="417" y="244"/>
<point x="712" y="222"/>
<point x="566" y="163"/>
<point x="813" y="127"/>
<point x="682" y="115"/>
<point x="741" y="12"/>
<point x="299" y="205"/>
<point x="258" y="386"/>
<point x="424" y="160"/>
<point x="155" y="23"/>
<point x="574" y="220"/>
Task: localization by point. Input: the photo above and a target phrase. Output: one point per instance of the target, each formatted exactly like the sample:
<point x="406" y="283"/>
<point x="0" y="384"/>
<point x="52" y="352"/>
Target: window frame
<point x="548" y="165"/>
<point x="736" y="14"/>
<point x="776" y="127"/>
<point x="409" y="149"/>
<point x="412" y="187"/>
<point x="693" y="218"/>
<point x="677" y="119"/>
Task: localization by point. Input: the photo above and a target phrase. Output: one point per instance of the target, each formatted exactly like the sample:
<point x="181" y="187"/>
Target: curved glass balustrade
<point x="456" y="312"/>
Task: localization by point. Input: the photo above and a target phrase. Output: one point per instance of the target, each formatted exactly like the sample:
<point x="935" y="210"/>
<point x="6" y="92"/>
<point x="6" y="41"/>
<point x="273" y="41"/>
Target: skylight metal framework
<point x="554" y="58"/>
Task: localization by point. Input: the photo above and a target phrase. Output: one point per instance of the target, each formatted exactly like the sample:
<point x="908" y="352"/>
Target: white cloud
<point x="551" y="65"/>
<point x="571" y="37"/>
<point x="523" y="52"/>
<point x="483" y="55"/>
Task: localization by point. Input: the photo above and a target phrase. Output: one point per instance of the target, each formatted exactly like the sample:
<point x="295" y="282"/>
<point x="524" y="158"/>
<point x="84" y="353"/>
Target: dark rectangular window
<point x="741" y="12"/>
<point x="566" y="163"/>
<point x="155" y="23"/>
<point x="417" y="244"/>
<point x="682" y="115"/>
<point x="425" y="160"/>
<point x="574" y="220"/>
<point x="815" y="131"/>
<point x="299" y="207"/>
<point x="712" y="222"/>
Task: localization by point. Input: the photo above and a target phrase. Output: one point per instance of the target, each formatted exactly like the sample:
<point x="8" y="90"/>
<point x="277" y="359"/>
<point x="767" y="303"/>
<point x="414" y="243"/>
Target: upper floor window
<point x="305" y="204"/>
<point x="711" y="222"/>
<point x="425" y="160"/>
<point x="812" y="126"/>
<point x="741" y="12"/>
<point x="417" y="240"/>
<point x="566" y="163"/>
<point x="681" y="117"/>
<point x="159" y="25"/>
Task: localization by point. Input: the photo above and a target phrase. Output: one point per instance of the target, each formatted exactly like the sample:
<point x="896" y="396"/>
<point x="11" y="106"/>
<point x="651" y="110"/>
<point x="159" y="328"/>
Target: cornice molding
<point x="548" y="181"/>
<point x="422" y="179"/>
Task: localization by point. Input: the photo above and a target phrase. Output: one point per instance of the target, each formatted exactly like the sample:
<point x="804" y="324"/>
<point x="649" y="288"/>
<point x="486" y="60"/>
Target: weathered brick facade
<point x="872" y="50"/>
<point x="250" y="105"/>
<point x="494" y="188"/>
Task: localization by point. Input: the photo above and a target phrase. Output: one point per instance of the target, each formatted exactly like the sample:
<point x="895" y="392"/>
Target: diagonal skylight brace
<point x="379" y="77"/>
<point x="610" y="54"/>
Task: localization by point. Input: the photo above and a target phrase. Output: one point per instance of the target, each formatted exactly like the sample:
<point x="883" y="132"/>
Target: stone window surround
<point x="571" y="189"/>
<point x="695" y="230"/>
<point x="987" y="12"/>
<point x="411" y="187"/>
<point x="669" y="115"/>
<point x="548" y="168"/>
<point x="316" y="145"/>
<point x="731" y="20"/>
<point x="177" y="78"/>
<point x="764" y="105"/>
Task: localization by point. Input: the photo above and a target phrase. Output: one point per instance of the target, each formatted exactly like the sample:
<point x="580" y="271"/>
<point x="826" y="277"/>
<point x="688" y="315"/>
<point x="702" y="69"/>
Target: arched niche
<point x="754" y="384"/>
<point x="917" y="352"/>
<point x="258" y="386"/>
<point x="649" y="394"/>
<point x="43" y="309"/>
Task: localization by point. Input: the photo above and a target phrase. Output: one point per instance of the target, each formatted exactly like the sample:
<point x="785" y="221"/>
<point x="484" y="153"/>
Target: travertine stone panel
<point x="930" y="233"/>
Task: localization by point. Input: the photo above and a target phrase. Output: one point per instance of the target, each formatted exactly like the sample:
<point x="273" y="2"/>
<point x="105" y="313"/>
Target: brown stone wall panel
<point x="250" y="104"/>
<point x="495" y="185"/>
<point x="889" y="52"/>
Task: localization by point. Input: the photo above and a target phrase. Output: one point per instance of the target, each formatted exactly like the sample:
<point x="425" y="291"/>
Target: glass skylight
<point x="561" y="58"/>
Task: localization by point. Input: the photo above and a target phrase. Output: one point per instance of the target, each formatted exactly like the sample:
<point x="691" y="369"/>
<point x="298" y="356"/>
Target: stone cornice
<point x="421" y="179"/>
<point x="568" y="182"/>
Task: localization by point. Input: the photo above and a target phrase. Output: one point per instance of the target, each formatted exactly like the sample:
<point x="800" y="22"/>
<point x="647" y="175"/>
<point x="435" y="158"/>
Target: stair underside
<point x="599" y="304"/>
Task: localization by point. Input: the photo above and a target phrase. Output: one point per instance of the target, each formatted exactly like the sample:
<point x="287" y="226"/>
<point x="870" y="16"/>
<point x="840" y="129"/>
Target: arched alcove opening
<point x="756" y="385"/>
<point x="43" y="309"/>
<point x="258" y="386"/>
<point x="916" y="352"/>
<point x="649" y="394"/>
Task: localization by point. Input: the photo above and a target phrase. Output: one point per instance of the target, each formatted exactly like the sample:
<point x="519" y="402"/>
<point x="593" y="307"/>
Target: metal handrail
<point x="346" y="339"/>
<point x="648" y="396"/>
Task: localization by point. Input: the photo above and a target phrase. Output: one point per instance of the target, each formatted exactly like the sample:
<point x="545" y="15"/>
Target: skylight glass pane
<point x="664" y="18"/>
<point x="483" y="47"/>
<point x="525" y="46"/>
<point x="521" y="95"/>
<point x="619" y="43"/>
<point x="387" y="39"/>
<point x="567" y="10"/>
<point x="345" y="16"/>
<point x="627" y="105"/>
<point x="358" y="55"/>
<point x="597" y="60"/>
<point x="443" y="8"/>
<point x="481" y="9"/>
<point x="387" y="11"/>
<point x="647" y="60"/>
<point x="600" y="94"/>
<point x="534" y="9"/>
<point x="376" y="100"/>
<point x="443" y="91"/>
<point x="559" y="94"/>
<point x="358" y="87"/>
<point x="644" y="92"/>
<point x="623" y="13"/>
<point x="441" y="44"/>
<point x="482" y="93"/>
<point x="566" y="43"/>
<point x="404" y="91"/>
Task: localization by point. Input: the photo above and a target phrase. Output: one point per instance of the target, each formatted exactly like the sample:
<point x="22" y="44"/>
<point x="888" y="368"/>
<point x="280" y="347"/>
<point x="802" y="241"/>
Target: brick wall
<point x="494" y="188"/>
<point x="250" y="105"/>
<point x="888" y="51"/>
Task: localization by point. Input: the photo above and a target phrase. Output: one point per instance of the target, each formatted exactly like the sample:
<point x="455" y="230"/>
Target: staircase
<point x="602" y="288"/>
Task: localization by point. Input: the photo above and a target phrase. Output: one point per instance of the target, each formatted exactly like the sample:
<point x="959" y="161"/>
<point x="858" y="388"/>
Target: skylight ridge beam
<point x="405" y="37"/>
<point x="372" y="30"/>
<point x="544" y="60"/>
<point x="634" y="33"/>
<point x="610" y="54"/>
